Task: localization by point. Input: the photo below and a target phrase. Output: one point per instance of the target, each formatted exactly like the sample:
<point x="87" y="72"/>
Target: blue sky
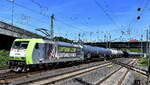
<point x="93" y="19"/>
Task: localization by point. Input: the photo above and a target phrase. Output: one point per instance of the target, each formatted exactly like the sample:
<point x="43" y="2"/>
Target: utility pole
<point x="79" y="39"/>
<point x="106" y="40"/>
<point x="148" y="47"/>
<point x="147" y="52"/>
<point x="52" y="27"/>
<point x="12" y="11"/>
<point x="142" y="43"/>
<point x="147" y="44"/>
<point x="79" y="35"/>
<point x="109" y="41"/>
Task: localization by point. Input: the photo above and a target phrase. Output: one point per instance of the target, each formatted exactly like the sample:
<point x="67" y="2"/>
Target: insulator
<point x="138" y="17"/>
<point x="138" y="9"/>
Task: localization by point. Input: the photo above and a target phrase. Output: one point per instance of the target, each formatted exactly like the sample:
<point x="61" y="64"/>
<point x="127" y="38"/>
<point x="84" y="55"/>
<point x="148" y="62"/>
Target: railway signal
<point x="138" y="17"/>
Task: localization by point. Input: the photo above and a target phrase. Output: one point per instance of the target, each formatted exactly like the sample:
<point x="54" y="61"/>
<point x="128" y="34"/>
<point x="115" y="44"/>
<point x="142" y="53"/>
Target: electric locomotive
<point x="28" y="53"/>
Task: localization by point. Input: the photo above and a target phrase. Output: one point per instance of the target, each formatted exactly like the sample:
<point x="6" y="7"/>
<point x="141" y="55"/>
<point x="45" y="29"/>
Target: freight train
<point x="33" y="53"/>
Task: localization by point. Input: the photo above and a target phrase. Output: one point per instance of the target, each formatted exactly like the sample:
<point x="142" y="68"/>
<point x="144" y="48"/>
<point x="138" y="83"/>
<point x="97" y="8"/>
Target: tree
<point x="62" y="39"/>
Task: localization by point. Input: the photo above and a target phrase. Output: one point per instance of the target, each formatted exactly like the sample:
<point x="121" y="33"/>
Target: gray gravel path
<point x="91" y="78"/>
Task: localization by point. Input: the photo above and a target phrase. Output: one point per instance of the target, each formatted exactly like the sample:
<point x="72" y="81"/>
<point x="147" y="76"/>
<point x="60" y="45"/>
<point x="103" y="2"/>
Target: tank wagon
<point x="91" y="52"/>
<point x="116" y="53"/>
<point x="135" y="54"/>
<point x="30" y="53"/>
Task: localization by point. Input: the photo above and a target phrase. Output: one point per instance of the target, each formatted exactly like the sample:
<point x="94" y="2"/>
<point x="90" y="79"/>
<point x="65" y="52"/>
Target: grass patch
<point x="4" y="55"/>
<point x="132" y="49"/>
<point x="135" y="50"/>
<point x="143" y="61"/>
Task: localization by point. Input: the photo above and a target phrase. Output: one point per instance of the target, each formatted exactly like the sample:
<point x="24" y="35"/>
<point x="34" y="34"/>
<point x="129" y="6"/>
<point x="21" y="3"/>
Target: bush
<point x="4" y="55"/>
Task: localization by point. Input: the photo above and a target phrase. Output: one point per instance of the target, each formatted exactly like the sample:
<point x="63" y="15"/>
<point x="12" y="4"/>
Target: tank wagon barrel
<point x="135" y="54"/>
<point x="92" y="51"/>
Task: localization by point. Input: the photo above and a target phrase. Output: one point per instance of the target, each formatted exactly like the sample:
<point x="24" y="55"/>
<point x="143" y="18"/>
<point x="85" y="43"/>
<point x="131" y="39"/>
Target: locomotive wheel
<point x="25" y="69"/>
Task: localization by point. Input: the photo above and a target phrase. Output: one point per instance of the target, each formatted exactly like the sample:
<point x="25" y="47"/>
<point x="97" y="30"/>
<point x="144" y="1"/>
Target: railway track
<point x="45" y="78"/>
<point x="110" y="77"/>
<point x="131" y="67"/>
<point x="62" y="77"/>
<point x="7" y="76"/>
<point x="11" y="77"/>
<point x="52" y="80"/>
<point x="65" y="76"/>
<point x="123" y="71"/>
<point x="4" y="68"/>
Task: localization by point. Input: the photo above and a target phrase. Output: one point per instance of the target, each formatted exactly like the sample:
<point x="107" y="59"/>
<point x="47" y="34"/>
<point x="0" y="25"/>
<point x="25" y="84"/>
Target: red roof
<point x="133" y="40"/>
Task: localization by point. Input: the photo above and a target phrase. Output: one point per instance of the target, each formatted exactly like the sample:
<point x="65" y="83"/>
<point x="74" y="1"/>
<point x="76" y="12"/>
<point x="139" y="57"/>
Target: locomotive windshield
<point x="20" y="44"/>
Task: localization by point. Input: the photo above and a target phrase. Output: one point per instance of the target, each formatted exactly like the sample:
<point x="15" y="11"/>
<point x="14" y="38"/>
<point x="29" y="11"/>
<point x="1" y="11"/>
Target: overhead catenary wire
<point x="48" y="16"/>
<point x="23" y="23"/>
<point x="33" y="18"/>
<point x="84" y="23"/>
<point x="37" y="12"/>
<point x="144" y="7"/>
<point x="69" y="25"/>
<point x="33" y="11"/>
<point x="77" y="28"/>
<point x="107" y="7"/>
<point x="134" y="20"/>
<point x="47" y="8"/>
<point x="106" y="13"/>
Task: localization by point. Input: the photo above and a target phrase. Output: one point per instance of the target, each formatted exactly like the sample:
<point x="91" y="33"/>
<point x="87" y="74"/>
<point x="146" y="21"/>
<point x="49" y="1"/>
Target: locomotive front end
<point x="21" y="54"/>
<point x="18" y="54"/>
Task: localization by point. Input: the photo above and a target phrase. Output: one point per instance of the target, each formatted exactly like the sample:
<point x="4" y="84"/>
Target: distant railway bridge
<point x="8" y="33"/>
<point x="121" y="45"/>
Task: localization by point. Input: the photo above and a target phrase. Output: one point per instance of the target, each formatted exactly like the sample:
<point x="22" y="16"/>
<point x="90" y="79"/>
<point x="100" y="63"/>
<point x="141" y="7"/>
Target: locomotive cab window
<point x="20" y="44"/>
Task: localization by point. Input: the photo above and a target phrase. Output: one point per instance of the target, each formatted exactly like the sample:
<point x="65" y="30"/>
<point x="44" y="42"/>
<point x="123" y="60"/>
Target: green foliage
<point x="62" y="39"/>
<point x="132" y="49"/>
<point x="143" y="61"/>
<point x="135" y="50"/>
<point x="4" y="55"/>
